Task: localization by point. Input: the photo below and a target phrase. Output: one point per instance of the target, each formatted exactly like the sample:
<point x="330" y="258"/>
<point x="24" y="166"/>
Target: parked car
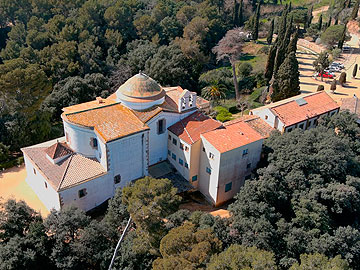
<point x="326" y="75"/>
<point x="336" y="64"/>
<point x="333" y="69"/>
<point x="346" y="49"/>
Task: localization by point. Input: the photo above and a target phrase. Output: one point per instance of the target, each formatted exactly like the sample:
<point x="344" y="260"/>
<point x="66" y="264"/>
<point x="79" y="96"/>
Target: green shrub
<point x="223" y="114"/>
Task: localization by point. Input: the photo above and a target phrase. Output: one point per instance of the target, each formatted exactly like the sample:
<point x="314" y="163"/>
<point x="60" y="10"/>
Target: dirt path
<point x="13" y="185"/>
<point x="317" y="12"/>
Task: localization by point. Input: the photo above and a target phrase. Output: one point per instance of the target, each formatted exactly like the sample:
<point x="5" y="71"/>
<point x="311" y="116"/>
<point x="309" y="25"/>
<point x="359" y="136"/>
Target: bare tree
<point x="243" y="104"/>
<point x="230" y="48"/>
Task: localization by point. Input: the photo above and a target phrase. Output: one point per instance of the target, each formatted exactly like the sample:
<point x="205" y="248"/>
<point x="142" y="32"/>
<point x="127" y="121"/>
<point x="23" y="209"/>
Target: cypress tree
<point x="355" y="10"/>
<point x="293" y="42"/>
<point x="333" y="86"/>
<point x="286" y="81"/>
<point x="282" y="48"/>
<point x="241" y="14"/>
<point x="342" y="39"/>
<point x="269" y="69"/>
<point x="256" y="23"/>
<point x="309" y="17"/>
<point x="270" y="33"/>
<point x="282" y="24"/>
<point x="342" y="79"/>
<point x="236" y="13"/>
<point x="329" y="22"/>
<point x="355" y="70"/>
<point x="320" y="23"/>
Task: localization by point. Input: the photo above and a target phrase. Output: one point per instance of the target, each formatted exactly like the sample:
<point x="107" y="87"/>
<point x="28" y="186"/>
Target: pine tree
<point x="269" y="69"/>
<point x="270" y="33"/>
<point x="355" y="70"/>
<point x="286" y="81"/>
<point x="256" y="22"/>
<point x="320" y="23"/>
<point x="355" y="10"/>
<point x="342" y="39"/>
<point x="293" y="42"/>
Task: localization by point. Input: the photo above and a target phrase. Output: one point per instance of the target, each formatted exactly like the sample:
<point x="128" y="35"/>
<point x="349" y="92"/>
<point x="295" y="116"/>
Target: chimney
<point x="99" y="100"/>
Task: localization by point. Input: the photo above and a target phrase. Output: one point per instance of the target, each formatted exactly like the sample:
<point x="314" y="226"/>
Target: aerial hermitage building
<point x="111" y="142"/>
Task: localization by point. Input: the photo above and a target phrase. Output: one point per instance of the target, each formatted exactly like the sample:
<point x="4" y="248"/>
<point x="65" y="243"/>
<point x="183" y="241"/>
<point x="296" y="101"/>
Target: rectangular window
<point x="174" y="142"/>
<point x="34" y="171"/>
<point x="248" y="177"/>
<point x="186" y="149"/>
<point x="181" y="162"/>
<point x="169" y="153"/>
<point x="211" y="155"/>
<point x="245" y="152"/>
<point x="181" y="146"/>
<point x="169" y="137"/>
<point x="94" y="143"/>
<point x="45" y="184"/>
<point x="266" y="117"/>
<point x="82" y="192"/>
<point x="248" y="165"/>
<point x="186" y="165"/>
<point x="173" y="156"/>
<point x="289" y="129"/>
<point x="194" y="178"/>
<point x="301" y="126"/>
<point x="208" y="170"/>
<point x="228" y="187"/>
<point x="203" y="149"/>
<point x="117" y="179"/>
<point x="161" y="126"/>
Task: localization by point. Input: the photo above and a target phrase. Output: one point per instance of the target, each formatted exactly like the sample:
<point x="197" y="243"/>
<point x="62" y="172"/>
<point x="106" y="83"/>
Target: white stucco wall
<point x="208" y="183"/>
<point x="128" y="157"/>
<point x="184" y="155"/>
<point x="158" y="142"/>
<point x="269" y="117"/>
<point x="139" y="106"/>
<point x="187" y="101"/>
<point x="98" y="191"/>
<point x="47" y="195"/>
<point x="233" y="168"/>
<point x="79" y="139"/>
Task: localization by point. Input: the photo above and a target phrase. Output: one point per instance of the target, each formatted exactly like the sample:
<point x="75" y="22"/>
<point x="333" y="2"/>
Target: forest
<point x="56" y="53"/>
<point x="301" y="212"/>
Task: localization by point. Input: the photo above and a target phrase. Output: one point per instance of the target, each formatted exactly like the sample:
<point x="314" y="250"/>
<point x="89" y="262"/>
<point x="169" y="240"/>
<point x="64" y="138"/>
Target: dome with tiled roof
<point x="140" y="89"/>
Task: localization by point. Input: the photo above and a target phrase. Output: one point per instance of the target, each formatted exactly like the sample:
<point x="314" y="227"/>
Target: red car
<point x="326" y="75"/>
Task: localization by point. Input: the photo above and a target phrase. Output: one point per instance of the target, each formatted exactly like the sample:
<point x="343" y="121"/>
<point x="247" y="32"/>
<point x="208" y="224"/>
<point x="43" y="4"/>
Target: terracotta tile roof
<point x="202" y="103"/>
<point x="254" y="121"/>
<point x="58" y="150"/>
<point x="80" y="169"/>
<point x="314" y="105"/>
<point x="88" y="105"/>
<point x="232" y="136"/>
<point x="351" y="104"/>
<point x="73" y="170"/>
<point x="190" y="128"/>
<point x="110" y="121"/>
<point x="148" y="114"/>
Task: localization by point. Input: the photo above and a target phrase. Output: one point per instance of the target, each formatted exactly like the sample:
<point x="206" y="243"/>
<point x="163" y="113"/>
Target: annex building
<point x="111" y="142"/>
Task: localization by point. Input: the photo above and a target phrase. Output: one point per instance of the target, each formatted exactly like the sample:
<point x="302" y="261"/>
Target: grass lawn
<point x="308" y="3"/>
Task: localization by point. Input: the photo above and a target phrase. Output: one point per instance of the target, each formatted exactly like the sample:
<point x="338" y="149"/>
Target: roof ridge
<point x="65" y="171"/>
<point x="192" y="141"/>
<point x="90" y="109"/>
<point x="293" y="99"/>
